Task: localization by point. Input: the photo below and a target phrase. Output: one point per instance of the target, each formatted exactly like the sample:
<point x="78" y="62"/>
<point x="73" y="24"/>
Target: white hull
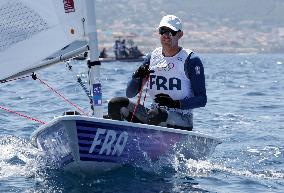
<point x="86" y="144"/>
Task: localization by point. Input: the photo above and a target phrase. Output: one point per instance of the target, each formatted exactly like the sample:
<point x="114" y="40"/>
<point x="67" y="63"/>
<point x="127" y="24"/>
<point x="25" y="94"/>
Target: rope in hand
<point x="146" y="90"/>
<point x="139" y="97"/>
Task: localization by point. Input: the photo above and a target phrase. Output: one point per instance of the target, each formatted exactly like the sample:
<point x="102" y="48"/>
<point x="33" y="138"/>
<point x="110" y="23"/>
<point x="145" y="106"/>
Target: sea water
<point x="245" y="109"/>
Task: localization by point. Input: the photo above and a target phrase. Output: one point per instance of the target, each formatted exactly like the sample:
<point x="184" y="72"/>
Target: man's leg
<point x="157" y="116"/>
<point x="121" y="108"/>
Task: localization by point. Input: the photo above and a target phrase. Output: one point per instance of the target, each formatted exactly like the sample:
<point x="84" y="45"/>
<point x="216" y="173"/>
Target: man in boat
<point x="116" y="48"/>
<point x="122" y="49"/>
<point x="176" y="83"/>
<point x="103" y="53"/>
<point x="134" y="52"/>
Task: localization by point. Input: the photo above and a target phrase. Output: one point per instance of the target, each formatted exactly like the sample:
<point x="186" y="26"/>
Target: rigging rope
<point x="60" y="95"/>
<point x="22" y="115"/>
<point x="139" y="97"/>
<point x="146" y="91"/>
<point x="15" y="112"/>
<point x="79" y="80"/>
<point x="31" y="118"/>
<point x="19" y="78"/>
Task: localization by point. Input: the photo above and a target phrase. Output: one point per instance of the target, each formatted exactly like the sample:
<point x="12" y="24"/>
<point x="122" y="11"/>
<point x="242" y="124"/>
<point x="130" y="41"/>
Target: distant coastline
<point x="255" y="26"/>
<point x="207" y="42"/>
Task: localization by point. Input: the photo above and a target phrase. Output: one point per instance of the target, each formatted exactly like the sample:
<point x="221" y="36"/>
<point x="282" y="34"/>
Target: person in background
<point x="103" y="53"/>
<point x="116" y="48"/>
<point x="176" y="83"/>
<point x="122" y="49"/>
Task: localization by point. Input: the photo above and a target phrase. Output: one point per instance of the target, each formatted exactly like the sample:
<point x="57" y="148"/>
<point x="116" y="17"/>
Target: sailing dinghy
<point x="42" y="33"/>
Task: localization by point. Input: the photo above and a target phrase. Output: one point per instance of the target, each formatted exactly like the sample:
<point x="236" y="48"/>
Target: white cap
<point x="171" y="21"/>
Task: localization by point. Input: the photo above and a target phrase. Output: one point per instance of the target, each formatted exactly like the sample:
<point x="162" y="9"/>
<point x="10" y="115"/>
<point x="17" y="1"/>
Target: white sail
<point x="33" y="30"/>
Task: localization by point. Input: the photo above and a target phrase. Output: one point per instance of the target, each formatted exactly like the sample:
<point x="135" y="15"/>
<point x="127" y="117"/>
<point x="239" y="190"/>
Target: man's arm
<point x="133" y="87"/>
<point x="195" y="72"/>
<point x="135" y="83"/>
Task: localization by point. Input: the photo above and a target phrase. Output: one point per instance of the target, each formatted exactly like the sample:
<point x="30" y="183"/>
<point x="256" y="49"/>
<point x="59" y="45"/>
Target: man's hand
<point x="167" y="101"/>
<point x="142" y="72"/>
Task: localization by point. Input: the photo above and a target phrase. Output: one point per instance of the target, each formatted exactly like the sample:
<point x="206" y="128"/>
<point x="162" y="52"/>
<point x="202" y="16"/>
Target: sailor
<point x="176" y="83"/>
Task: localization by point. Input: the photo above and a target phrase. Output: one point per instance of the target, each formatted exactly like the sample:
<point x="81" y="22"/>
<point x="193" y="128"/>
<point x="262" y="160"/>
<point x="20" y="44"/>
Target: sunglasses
<point x="168" y="31"/>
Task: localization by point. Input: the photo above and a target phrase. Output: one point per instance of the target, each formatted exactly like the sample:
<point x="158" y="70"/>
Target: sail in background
<point x="32" y="30"/>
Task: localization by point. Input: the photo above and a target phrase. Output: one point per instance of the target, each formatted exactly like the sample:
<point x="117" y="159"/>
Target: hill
<point x="210" y="26"/>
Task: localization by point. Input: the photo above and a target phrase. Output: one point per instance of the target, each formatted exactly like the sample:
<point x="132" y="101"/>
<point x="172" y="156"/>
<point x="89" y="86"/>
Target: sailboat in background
<point x="57" y="31"/>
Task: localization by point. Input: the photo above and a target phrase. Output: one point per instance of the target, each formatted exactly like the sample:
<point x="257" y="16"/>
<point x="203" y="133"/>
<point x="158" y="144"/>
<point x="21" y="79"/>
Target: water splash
<point x="17" y="157"/>
<point x="205" y="168"/>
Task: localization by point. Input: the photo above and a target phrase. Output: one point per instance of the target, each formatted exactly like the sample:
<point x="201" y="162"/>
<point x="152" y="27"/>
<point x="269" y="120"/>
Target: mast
<point x="94" y="63"/>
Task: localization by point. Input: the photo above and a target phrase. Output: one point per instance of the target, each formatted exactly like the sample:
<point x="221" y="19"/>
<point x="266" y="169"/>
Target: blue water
<point x="245" y="109"/>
